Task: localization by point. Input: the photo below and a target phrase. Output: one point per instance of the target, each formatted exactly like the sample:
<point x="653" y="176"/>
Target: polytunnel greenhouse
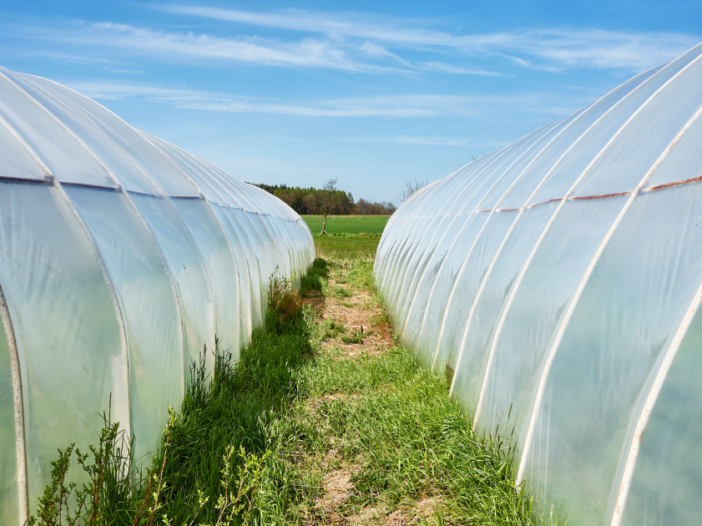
<point x="556" y="283"/>
<point x="121" y="255"/>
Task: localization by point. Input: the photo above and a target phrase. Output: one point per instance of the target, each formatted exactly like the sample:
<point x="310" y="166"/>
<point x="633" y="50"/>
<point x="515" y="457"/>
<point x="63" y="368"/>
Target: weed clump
<point x="312" y="281"/>
<point x="355" y="337"/>
<point x="320" y="266"/>
<point x="331" y="329"/>
<point x="284" y="304"/>
<point x="115" y="488"/>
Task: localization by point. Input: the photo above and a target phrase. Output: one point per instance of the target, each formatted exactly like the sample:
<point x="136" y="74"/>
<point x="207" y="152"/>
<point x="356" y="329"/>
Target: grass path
<point x="371" y="437"/>
<point x="324" y="420"/>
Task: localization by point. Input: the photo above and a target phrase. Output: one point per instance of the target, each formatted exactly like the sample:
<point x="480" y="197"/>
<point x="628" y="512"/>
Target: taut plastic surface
<point x="121" y="257"/>
<point x="557" y="283"/>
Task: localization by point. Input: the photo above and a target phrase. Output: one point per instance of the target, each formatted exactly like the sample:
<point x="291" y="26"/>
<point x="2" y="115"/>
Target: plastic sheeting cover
<point x="121" y="257"/>
<point x="557" y="283"/>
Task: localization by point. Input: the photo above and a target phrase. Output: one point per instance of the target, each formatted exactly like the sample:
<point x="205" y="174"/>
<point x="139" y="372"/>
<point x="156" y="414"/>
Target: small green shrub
<point x="321" y="265"/>
<point x="356" y="336"/>
<point x="312" y="281"/>
<point x="115" y="492"/>
<point x="331" y="329"/>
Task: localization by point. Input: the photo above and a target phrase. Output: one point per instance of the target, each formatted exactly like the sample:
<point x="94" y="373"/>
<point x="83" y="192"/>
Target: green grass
<point x="390" y="427"/>
<point x="348" y="235"/>
<point x="238" y="408"/>
<point x="268" y="437"/>
<point x="312" y="281"/>
<point x="349" y="246"/>
<point x="348" y="224"/>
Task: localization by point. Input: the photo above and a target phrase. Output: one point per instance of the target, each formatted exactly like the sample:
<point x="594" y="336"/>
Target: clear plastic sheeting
<point x="667" y="482"/>
<point x="146" y="299"/>
<point x="187" y="268"/>
<point x="122" y="257"/>
<point x="556" y="283"/>
<point x="65" y="320"/>
<point x="9" y="488"/>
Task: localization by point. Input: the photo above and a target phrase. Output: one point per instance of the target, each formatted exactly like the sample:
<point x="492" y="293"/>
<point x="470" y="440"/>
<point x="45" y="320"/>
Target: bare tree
<point x="412" y="187"/>
<point x="327" y="202"/>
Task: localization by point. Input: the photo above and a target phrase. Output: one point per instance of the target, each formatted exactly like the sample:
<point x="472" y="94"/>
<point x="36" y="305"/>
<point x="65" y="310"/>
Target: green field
<point x="348" y="224"/>
<point x="348" y="235"/>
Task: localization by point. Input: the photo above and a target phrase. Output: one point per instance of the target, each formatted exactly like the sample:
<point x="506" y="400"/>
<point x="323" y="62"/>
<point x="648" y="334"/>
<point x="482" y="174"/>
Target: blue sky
<point x="371" y="93"/>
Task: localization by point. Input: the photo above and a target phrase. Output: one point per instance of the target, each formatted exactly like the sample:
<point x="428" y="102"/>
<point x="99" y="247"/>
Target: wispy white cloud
<point x="338" y="25"/>
<point x="541" y="48"/>
<point x="125" y="71"/>
<point x="404" y="139"/>
<point x="361" y="43"/>
<point x="306" y="53"/>
<point x="377" y="51"/>
<point x="83" y="59"/>
<point x="450" y="68"/>
<point x="391" y="107"/>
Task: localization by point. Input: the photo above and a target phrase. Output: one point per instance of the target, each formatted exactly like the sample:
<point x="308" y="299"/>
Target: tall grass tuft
<point x="312" y="281"/>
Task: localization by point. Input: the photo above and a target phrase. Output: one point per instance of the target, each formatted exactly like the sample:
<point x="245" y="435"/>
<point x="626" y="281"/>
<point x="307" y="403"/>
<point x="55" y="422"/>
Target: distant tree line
<point x="318" y="200"/>
<point x="372" y="208"/>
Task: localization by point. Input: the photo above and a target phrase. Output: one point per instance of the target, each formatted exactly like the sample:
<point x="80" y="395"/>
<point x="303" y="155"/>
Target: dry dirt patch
<point x="355" y="314"/>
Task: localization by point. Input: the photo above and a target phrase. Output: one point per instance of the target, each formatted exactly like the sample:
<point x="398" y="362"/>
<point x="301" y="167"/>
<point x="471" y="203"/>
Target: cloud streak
<point x="143" y="41"/>
<point x="404" y="139"/>
<point x="390" y="107"/>
<point x="365" y="44"/>
<point x="540" y="48"/>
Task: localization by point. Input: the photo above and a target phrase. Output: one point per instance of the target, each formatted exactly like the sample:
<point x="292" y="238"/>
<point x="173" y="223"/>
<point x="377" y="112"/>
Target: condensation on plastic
<point x="631" y="306"/>
<point x="548" y="280"/>
<point x="475" y="348"/>
<point x="121" y="258"/>
<point x="537" y="308"/>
